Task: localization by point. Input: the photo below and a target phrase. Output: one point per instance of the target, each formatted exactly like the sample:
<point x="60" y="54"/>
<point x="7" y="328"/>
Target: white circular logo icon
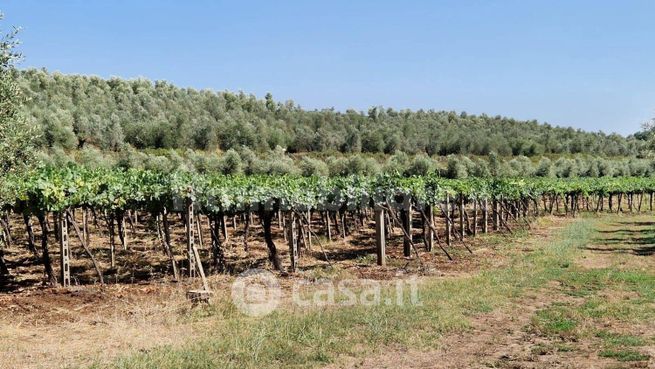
<point x="256" y="292"/>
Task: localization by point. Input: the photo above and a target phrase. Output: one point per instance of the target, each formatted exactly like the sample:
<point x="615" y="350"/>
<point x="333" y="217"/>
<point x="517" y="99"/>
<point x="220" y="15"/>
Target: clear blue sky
<point x="587" y="64"/>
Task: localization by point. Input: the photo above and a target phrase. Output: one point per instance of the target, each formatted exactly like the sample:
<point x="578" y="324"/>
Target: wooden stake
<point x="461" y="216"/>
<point x="406" y="219"/>
<point x="201" y="240"/>
<point x="448" y="231"/>
<point x="496" y="214"/>
<point x="485" y="217"/>
<point x="309" y="230"/>
<point x="475" y="217"/>
<point x="122" y="233"/>
<point x="64" y="250"/>
<point x="167" y="243"/>
<point x="292" y="237"/>
<point x="429" y="235"/>
<point x="31" y="239"/>
<point x="328" y="225"/>
<point x="45" y="255"/>
<point x="190" y="238"/>
<point x="380" y="241"/>
<point x="224" y="227"/>
<point x="112" y="242"/>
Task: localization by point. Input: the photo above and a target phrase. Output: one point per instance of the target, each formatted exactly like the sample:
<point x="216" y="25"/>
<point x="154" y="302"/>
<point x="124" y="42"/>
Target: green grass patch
<point x="557" y="320"/>
<point x="624" y="355"/>
<point x="616" y="339"/>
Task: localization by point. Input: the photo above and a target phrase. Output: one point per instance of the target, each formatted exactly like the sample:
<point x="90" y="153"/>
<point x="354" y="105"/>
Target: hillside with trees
<point x="74" y="111"/>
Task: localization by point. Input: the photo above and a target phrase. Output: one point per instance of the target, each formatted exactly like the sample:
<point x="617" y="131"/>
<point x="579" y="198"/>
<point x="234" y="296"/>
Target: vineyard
<point x="430" y="214"/>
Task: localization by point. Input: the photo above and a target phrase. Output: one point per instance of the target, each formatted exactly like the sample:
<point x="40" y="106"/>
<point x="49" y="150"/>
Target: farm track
<point x="507" y="339"/>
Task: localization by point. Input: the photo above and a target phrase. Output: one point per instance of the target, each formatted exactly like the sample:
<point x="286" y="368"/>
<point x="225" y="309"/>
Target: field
<point x="146" y="225"/>
<point x="570" y="292"/>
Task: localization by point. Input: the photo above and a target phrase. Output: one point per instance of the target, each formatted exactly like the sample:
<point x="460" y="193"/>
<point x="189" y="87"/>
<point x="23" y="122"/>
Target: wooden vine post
<point x="475" y="217"/>
<point x="198" y="229"/>
<point x="112" y="242"/>
<point x="224" y="228"/>
<point x="308" y="233"/>
<point x="85" y="226"/>
<point x="495" y="214"/>
<point x="461" y="216"/>
<point x="380" y="240"/>
<point x="292" y="238"/>
<point x="406" y="218"/>
<point x="485" y="216"/>
<point x="429" y="236"/>
<point x="195" y="264"/>
<point x="31" y="239"/>
<point x="328" y="225"/>
<point x="122" y="233"/>
<point x="190" y="238"/>
<point x="218" y="259"/>
<point x="64" y="250"/>
<point x="448" y="231"/>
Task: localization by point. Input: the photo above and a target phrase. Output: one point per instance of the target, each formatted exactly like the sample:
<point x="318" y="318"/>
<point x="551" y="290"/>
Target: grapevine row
<point x="114" y="195"/>
<point x="56" y="189"/>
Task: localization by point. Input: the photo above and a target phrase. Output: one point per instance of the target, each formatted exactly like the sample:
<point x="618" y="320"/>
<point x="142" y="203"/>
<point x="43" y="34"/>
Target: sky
<point x="585" y="64"/>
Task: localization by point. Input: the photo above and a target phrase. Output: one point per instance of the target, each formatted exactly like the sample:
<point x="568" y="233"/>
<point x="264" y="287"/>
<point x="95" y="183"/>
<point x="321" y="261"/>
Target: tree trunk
<point x="164" y="236"/>
<point x="31" y="239"/>
<point x="112" y="240"/>
<point x="273" y="257"/>
<point x="7" y="228"/>
<point x="85" y="226"/>
<point x="406" y="219"/>
<point x="85" y="245"/>
<point x="122" y="234"/>
<point x="45" y="255"/>
<point x="218" y="258"/>
<point x="246" y="230"/>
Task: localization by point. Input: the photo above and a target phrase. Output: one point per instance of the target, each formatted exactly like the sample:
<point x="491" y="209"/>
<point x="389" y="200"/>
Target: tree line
<point x="244" y="160"/>
<point x="76" y="112"/>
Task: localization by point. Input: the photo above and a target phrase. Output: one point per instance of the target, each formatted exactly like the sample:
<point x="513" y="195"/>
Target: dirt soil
<point x="141" y="307"/>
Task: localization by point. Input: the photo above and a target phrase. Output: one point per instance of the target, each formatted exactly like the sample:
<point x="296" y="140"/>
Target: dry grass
<point x="470" y="308"/>
<point x="44" y="328"/>
<point x="91" y="332"/>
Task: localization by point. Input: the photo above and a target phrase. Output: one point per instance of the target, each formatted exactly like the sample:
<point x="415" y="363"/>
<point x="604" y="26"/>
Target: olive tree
<point x="16" y="135"/>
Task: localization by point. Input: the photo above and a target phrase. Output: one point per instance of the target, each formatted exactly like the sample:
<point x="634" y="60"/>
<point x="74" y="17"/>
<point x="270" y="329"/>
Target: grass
<point x="295" y="337"/>
<point x="590" y="300"/>
<point x="557" y="320"/>
<point x="616" y="339"/>
<point x="621" y="294"/>
<point x="624" y="355"/>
